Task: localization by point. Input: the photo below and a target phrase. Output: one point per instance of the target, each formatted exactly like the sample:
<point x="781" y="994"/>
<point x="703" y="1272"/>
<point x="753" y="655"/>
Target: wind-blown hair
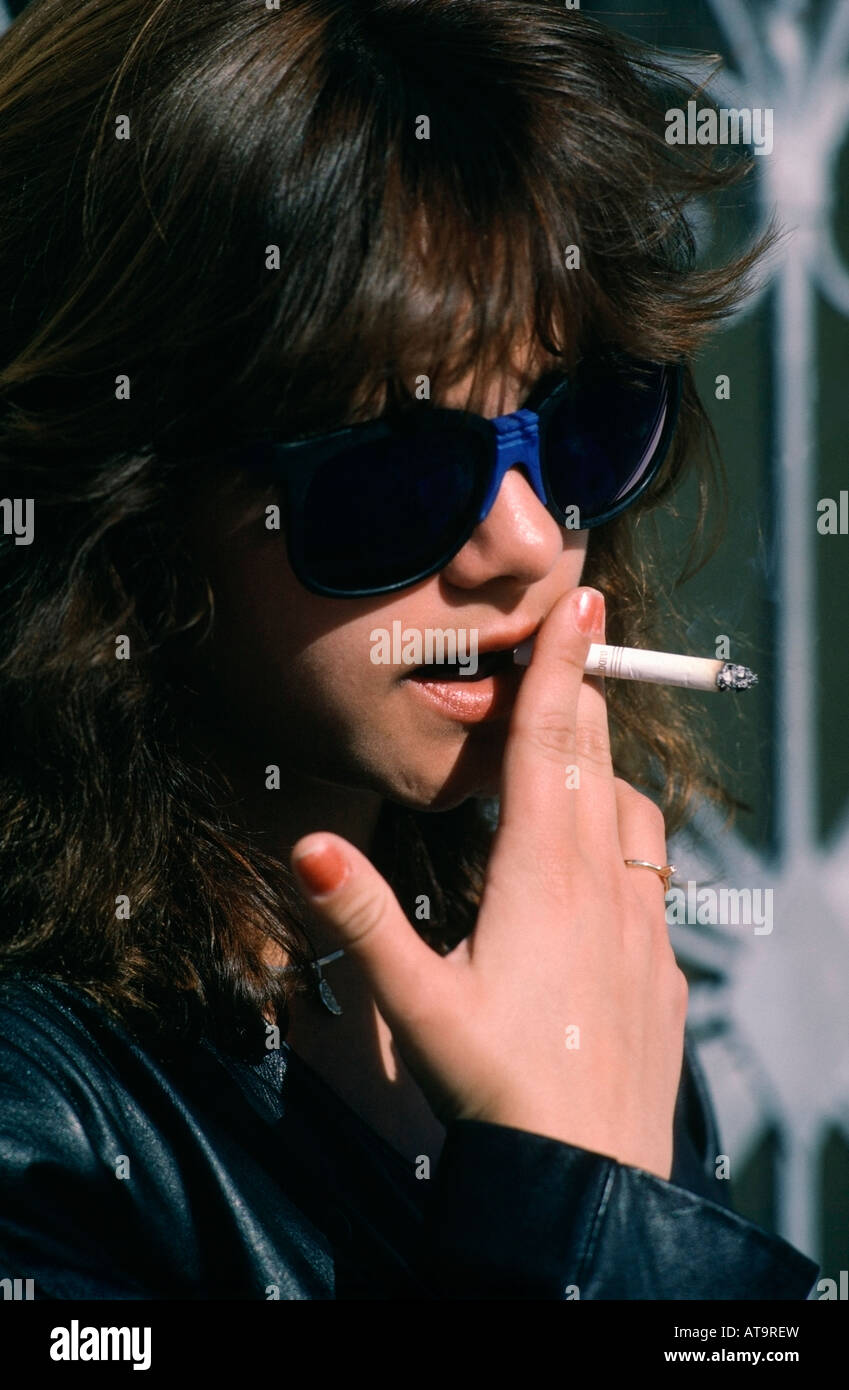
<point x="152" y="153"/>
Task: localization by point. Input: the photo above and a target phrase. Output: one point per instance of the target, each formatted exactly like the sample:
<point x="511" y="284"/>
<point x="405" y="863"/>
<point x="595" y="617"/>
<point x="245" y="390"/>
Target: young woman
<point x="267" y="275"/>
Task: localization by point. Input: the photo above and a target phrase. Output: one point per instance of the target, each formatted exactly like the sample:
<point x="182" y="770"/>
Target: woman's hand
<point x="563" y="1012"/>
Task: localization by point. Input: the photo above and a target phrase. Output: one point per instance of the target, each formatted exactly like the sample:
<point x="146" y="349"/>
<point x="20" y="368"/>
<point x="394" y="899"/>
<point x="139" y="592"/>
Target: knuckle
<point x="654" y="815"/>
<point x="649" y="810"/>
<point x="364" y="912"/>
<point x="550" y="734"/>
<point x="592" y="743"/>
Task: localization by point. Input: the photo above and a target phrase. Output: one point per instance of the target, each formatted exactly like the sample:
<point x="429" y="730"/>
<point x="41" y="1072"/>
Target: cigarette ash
<point x="734" y="677"/>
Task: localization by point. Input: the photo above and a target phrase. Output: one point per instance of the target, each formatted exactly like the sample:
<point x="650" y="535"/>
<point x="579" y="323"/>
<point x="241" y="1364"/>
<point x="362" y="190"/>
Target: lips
<point x="494" y="657"/>
<point x="489" y="663"/>
<point x="486" y="696"/>
<point x="467" y="699"/>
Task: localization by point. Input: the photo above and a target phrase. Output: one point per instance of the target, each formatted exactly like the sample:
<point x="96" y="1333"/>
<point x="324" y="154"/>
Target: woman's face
<point x="290" y="674"/>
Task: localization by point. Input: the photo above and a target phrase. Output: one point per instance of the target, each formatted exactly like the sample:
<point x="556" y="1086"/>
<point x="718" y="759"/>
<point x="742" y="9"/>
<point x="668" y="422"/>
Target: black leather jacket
<point x="121" y="1177"/>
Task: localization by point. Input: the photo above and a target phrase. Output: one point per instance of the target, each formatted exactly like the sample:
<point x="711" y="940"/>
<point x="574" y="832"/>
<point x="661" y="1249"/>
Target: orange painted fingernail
<point x="588" y="611"/>
<point x="322" y="870"/>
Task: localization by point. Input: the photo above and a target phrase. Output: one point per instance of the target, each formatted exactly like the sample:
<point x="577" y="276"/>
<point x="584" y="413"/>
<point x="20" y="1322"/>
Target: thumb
<point x="344" y="889"/>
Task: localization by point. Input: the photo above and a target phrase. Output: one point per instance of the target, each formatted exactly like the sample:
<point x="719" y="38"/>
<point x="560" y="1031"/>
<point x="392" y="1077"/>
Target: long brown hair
<point x="153" y="153"/>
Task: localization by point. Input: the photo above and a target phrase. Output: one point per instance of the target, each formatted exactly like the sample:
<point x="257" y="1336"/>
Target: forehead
<point x="499" y="389"/>
<point x="488" y="388"/>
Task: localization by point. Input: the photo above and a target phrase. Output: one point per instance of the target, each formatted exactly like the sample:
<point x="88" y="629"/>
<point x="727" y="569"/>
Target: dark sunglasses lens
<point x="380" y="514"/>
<point x="603" y="438"/>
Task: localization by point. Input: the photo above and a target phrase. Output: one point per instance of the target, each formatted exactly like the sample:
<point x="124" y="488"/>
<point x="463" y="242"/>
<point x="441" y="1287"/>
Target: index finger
<point x="542" y="740"/>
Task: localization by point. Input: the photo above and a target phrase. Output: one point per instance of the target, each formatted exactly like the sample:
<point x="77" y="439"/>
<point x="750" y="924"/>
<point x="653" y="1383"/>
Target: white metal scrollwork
<point x="775" y="1040"/>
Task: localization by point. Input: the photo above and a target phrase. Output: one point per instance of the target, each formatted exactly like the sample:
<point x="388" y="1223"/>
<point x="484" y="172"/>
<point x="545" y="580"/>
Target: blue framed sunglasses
<point x="375" y="507"/>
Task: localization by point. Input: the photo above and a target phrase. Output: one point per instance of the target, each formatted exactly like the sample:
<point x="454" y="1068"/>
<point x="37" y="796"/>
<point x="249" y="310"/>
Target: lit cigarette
<point x="661" y="668"/>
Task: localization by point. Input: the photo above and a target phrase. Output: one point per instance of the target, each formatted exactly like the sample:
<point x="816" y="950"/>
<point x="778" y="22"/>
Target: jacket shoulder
<point x="48" y="1037"/>
<point x="65" y="1218"/>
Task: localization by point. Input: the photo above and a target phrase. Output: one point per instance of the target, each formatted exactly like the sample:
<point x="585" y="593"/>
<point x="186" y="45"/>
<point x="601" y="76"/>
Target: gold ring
<point x="664" y="871"/>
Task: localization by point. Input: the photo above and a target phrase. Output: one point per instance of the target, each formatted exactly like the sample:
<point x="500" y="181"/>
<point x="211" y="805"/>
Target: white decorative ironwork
<point x="774" y="1036"/>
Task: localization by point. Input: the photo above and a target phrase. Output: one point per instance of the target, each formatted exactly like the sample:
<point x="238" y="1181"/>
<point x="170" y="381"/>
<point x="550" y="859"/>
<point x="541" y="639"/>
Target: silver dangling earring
<point x="325" y="993"/>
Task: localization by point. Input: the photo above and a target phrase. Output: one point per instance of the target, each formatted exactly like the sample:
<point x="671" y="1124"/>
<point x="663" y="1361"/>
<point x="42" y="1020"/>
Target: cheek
<point x="570" y="566"/>
<point x="279" y="656"/>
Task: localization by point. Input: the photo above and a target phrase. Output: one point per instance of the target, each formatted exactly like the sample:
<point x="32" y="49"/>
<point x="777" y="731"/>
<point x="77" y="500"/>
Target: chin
<point x="476" y="772"/>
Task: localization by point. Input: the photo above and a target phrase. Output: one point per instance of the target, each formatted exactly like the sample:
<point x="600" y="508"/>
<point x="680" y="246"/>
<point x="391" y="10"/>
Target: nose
<point x="517" y="539"/>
